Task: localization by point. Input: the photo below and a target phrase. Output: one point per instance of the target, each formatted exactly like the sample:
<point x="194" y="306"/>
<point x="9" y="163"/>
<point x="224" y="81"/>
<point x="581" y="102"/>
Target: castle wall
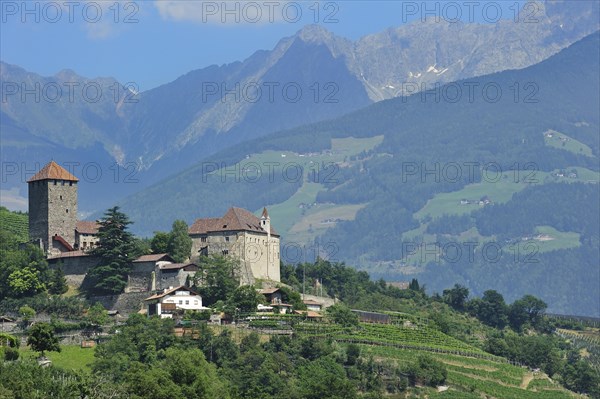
<point x="126" y="303"/>
<point x="140" y="277"/>
<point x="259" y="256"/>
<point x="75" y="268"/>
<point x="38" y="212"/>
<point x="173" y="278"/>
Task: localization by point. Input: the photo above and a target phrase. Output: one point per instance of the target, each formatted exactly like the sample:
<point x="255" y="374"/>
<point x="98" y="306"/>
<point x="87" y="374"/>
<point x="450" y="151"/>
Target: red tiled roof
<point x="154" y="258"/>
<point x="203" y="226"/>
<point x="236" y="219"/>
<point x="52" y="171"/>
<point x="87" y="227"/>
<point x="63" y="242"/>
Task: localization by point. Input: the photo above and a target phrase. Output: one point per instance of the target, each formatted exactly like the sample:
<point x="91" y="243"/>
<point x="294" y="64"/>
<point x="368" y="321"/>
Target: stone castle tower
<point x="53" y="208"/>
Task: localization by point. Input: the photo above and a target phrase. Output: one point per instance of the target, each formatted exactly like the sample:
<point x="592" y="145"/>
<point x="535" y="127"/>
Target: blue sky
<point x="151" y="43"/>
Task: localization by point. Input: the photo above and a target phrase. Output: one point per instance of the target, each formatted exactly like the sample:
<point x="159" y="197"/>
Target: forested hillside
<point x="463" y="149"/>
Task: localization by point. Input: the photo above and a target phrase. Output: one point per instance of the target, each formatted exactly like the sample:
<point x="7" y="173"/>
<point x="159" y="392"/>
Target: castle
<point x="242" y="235"/>
<point x="54" y="227"/>
<point x="53" y="223"/>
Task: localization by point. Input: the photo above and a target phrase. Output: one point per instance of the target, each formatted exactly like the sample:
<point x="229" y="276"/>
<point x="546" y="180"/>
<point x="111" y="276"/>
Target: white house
<point x="174" y="300"/>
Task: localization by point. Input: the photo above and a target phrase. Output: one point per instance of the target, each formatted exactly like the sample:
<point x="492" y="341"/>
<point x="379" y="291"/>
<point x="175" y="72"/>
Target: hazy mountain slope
<point x="168" y="128"/>
<point x="422" y="131"/>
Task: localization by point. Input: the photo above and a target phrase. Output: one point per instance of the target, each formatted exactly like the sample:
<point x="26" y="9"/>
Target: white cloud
<point x="102" y="19"/>
<point x="231" y="12"/>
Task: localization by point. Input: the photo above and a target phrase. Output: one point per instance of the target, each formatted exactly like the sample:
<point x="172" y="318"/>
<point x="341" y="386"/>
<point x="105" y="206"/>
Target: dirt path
<point x="468" y="366"/>
<point x="527" y="378"/>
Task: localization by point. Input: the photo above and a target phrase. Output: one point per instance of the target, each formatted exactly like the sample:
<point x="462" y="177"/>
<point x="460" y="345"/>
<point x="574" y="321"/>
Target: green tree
<point x="25" y="282"/>
<point x="490" y="309"/>
<point x="180" y="243"/>
<point x="528" y="309"/>
<point x="141" y="246"/>
<point x="325" y="379"/>
<point x="292" y="297"/>
<point x="245" y="298"/>
<point x="97" y="315"/>
<point x="352" y="354"/>
<point x="456" y="297"/>
<point x="58" y="282"/>
<point x="160" y="242"/>
<point x="216" y="278"/>
<point x="116" y="251"/>
<point x="41" y="338"/>
<point x="341" y="314"/>
<point x="428" y="371"/>
<point x="27" y="314"/>
<point x="414" y="285"/>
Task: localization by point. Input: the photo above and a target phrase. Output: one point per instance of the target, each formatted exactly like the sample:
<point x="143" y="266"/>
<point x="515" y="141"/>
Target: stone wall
<point x="258" y="254"/>
<point x="62" y="209"/>
<point x="75" y="268"/>
<point x="52" y="210"/>
<point x="38" y="211"/>
<point x="173" y="278"/>
<point x="126" y="304"/>
<point x="140" y="277"/>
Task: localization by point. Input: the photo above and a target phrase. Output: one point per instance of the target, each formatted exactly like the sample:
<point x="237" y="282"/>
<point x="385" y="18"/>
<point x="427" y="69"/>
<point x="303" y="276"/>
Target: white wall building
<point x="172" y="301"/>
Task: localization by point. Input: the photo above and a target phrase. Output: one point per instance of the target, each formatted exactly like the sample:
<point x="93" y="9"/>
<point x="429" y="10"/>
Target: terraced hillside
<point x="15" y="223"/>
<point x="476" y="378"/>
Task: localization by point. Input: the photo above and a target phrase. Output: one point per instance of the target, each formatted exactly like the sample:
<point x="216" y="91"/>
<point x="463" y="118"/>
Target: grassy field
<point x="499" y="192"/>
<point x="286" y="214"/>
<point x="559" y="140"/>
<point x="70" y="357"/>
<point x="316" y="220"/>
<point x="449" y="203"/>
<point x="324" y="165"/>
<point x="552" y="239"/>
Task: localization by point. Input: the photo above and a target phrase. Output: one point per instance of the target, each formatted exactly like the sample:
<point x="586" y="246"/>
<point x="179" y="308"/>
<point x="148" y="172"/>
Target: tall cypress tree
<point x="180" y="243"/>
<point x="116" y="251"/>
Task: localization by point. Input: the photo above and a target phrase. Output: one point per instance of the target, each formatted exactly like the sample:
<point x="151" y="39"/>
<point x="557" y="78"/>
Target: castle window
<point x="187" y="302"/>
<point x="227" y="239"/>
<point x="61" y="197"/>
<point x="225" y="252"/>
<point x="55" y="182"/>
<point x="67" y="211"/>
<point x="203" y="239"/>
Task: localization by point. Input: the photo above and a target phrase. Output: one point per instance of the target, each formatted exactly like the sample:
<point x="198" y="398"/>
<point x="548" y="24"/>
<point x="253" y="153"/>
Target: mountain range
<point x="311" y="76"/>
